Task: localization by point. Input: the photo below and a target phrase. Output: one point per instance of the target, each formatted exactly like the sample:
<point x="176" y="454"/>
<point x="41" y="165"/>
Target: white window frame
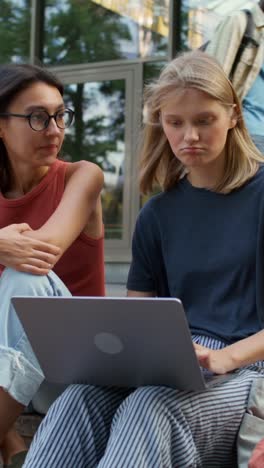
<point x="118" y="250"/>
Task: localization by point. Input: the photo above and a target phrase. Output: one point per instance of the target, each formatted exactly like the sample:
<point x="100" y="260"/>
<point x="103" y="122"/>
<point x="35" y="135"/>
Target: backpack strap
<point x="203" y="47"/>
<point x="246" y="40"/>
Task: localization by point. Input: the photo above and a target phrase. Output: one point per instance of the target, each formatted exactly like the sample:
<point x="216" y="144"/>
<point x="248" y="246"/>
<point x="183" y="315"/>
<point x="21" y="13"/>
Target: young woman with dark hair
<point x="51" y="230"/>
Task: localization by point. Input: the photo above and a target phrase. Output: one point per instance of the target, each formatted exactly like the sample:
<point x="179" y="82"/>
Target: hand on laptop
<point x="217" y="361"/>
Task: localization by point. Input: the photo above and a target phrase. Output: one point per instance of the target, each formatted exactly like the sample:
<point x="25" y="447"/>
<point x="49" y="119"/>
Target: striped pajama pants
<point x="148" y="427"/>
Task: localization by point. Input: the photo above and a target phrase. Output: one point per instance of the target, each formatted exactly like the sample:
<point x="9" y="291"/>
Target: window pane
<point x="14" y="30"/>
<point x="77" y="31"/>
<point x="98" y="135"/>
<point x="152" y="70"/>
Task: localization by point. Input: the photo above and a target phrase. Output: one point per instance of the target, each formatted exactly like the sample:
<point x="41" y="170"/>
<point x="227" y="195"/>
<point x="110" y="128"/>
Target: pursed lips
<point x="192" y="148"/>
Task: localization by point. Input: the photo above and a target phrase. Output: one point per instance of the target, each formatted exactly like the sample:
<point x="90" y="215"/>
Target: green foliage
<point x="94" y="134"/>
<point x="152" y="70"/>
<point x="14" y="30"/>
<point x="81" y="32"/>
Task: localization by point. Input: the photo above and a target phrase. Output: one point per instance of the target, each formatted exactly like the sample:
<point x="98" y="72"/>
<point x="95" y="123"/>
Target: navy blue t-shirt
<point x="205" y="248"/>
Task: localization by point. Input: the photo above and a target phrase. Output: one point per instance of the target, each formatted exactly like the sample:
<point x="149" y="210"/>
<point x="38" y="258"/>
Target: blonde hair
<point x="158" y="164"/>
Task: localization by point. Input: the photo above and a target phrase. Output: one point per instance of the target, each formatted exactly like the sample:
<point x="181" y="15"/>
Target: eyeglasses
<point x="39" y="120"/>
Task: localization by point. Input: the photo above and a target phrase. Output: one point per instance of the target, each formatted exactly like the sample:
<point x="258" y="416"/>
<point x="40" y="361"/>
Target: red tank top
<point x="81" y="267"/>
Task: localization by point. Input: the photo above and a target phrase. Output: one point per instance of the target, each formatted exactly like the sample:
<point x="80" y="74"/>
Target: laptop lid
<point x="111" y="341"/>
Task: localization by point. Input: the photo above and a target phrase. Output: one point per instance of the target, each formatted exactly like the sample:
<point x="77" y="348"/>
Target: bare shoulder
<point x="86" y="171"/>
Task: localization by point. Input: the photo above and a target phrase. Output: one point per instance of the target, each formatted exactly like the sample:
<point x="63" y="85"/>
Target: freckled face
<point x="196" y="126"/>
<point x="24" y="145"/>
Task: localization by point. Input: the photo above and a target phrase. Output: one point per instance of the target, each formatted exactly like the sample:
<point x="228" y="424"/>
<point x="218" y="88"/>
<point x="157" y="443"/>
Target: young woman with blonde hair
<point x="202" y="240"/>
<point x="158" y="162"/>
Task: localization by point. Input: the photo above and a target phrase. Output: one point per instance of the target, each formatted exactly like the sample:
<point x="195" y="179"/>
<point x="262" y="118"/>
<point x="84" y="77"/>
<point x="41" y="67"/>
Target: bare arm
<point x="22" y="253"/>
<point x="239" y="354"/>
<point x="79" y="208"/>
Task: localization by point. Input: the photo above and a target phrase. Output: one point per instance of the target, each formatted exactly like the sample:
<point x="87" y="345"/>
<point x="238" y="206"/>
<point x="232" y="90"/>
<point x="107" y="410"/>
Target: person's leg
<point x="75" y="431"/>
<point x="11" y="442"/>
<point x="47" y="393"/>
<point x="158" y="427"/>
<point x="20" y="374"/>
<point x="153" y="427"/>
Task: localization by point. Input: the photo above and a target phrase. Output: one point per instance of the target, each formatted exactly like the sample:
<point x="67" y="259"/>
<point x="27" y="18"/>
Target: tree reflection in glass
<point x="14" y="30"/>
<point x="87" y="31"/>
<point x="98" y="135"/>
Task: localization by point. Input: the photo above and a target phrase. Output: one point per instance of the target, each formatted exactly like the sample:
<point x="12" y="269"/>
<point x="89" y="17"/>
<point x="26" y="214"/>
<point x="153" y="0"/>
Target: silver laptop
<point x="111" y="341"/>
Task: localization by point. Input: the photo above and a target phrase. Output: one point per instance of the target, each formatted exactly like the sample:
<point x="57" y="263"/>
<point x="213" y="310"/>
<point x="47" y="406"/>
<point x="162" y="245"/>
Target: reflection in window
<point x="98" y="135"/>
<point x="152" y="70"/>
<point x="14" y="30"/>
<point x="98" y="30"/>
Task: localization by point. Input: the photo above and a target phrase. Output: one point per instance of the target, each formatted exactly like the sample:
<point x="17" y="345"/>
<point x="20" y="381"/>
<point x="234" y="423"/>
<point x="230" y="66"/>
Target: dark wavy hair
<point x="15" y="78"/>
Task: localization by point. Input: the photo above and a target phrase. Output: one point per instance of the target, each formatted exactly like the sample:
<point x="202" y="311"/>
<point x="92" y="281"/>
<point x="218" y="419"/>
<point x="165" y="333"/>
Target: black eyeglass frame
<point x="70" y="112"/>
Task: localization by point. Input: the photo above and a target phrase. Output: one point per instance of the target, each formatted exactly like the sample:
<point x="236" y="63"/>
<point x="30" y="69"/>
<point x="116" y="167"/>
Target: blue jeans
<point x="20" y="373"/>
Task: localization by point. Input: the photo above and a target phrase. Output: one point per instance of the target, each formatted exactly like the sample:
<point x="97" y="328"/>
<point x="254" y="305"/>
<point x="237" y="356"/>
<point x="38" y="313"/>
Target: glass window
<point x="77" y="31"/>
<point x="107" y="104"/>
<point x="14" y="30"/>
<point x="98" y="135"/>
<point x="152" y="70"/>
